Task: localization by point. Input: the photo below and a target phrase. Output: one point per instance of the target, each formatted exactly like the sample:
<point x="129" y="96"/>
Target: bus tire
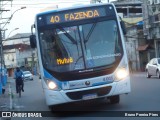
<point x="114" y="99"/>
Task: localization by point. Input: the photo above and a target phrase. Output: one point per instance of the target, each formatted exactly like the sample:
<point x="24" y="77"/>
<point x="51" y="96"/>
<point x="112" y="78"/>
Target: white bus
<point x="81" y="53"/>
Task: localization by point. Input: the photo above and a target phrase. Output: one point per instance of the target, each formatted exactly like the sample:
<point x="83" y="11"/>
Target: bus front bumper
<point x="66" y="96"/>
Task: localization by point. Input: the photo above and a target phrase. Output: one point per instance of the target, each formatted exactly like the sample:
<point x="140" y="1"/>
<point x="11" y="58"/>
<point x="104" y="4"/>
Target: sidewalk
<point x="5" y="99"/>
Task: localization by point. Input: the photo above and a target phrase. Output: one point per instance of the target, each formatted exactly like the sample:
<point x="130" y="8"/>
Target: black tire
<point x="148" y="76"/>
<point x="158" y="74"/>
<point x="114" y="99"/>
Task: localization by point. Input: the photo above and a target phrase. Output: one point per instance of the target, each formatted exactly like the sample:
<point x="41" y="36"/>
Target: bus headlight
<point x="120" y="74"/>
<point x="52" y="85"/>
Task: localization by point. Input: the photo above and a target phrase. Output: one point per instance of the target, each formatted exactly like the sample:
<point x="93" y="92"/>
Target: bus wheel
<point x="114" y="99"/>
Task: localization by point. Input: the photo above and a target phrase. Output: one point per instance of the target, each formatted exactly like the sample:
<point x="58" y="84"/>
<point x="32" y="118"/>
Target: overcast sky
<point x="23" y="19"/>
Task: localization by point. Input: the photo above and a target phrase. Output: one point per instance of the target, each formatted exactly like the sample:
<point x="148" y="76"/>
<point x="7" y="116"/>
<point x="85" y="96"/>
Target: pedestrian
<point x="18" y="75"/>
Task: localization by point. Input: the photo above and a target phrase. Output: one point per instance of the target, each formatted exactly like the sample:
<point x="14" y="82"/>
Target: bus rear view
<point x="82" y="54"/>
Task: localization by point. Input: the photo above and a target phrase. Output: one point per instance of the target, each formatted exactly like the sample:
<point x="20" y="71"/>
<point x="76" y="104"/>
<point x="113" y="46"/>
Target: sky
<point x="24" y="18"/>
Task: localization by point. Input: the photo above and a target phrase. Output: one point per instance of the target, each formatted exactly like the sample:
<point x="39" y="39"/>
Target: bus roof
<point x="73" y="7"/>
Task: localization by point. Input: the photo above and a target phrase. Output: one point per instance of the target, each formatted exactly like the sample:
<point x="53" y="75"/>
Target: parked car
<point x="27" y="75"/>
<point x="153" y="68"/>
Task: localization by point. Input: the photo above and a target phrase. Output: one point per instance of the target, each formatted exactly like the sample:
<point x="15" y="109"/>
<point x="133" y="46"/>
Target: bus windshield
<point x="81" y="47"/>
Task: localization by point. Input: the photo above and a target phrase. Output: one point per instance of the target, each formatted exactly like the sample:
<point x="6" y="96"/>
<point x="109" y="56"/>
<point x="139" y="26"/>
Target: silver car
<point x="27" y="75"/>
<point x="153" y="68"/>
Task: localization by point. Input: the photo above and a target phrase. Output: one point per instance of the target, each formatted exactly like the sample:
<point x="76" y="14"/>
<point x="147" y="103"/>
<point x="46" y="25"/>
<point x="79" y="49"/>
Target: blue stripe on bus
<point x="49" y="76"/>
<point x="100" y="83"/>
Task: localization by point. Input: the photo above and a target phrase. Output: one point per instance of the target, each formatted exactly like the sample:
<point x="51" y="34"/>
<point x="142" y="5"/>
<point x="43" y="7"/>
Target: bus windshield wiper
<point x="67" y="35"/>
<point x="117" y="47"/>
<point x="90" y="32"/>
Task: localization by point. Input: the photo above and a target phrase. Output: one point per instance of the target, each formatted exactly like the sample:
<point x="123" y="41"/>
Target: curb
<point x="6" y="99"/>
<point x="11" y="96"/>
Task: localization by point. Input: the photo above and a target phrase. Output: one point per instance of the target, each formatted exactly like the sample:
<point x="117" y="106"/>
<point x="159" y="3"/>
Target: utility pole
<point x="1" y="46"/>
<point x="1" y="53"/>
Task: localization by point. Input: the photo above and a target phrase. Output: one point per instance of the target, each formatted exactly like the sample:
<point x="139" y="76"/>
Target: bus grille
<point x="79" y="94"/>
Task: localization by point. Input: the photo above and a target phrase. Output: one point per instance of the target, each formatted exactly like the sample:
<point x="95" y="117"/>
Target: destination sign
<point x="75" y="15"/>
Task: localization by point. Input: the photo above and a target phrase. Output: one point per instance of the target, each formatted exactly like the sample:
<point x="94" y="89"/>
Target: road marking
<point x="10" y="93"/>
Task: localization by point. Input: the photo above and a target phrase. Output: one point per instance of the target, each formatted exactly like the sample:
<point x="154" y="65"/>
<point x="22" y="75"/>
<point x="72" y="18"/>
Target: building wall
<point x="10" y="58"/>
<point x="22" y="56"/>
<point x="152" y="26"/>
<point x="131" y="47"/>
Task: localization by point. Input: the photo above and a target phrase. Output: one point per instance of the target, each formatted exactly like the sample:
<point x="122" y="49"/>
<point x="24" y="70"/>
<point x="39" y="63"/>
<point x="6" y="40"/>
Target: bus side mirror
<point x="33" y="41"/>
<point x="123" y="27"/>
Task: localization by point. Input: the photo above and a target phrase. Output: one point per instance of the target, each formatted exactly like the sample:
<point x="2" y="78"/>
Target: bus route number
<point x="55" y="19"/>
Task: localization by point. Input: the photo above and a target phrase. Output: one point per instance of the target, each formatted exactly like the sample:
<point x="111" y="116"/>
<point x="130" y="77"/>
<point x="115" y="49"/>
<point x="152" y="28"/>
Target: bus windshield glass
<point x="81" y="47"/>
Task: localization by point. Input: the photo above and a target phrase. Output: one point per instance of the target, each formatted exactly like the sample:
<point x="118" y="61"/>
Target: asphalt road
<point x="144" y="96"/>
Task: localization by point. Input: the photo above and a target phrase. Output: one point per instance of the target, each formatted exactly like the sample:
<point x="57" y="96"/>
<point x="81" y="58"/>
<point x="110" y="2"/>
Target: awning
<point x="143" y="47"/>
<point x="133" y="20"/>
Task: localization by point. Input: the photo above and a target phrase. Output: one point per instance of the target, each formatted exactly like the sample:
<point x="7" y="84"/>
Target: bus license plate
<point x="89" y="96"/>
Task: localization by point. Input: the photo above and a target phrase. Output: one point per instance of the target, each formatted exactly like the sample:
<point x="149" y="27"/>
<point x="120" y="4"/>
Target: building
<point x="151" y="12"/>
<point x="17" y="52"/>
